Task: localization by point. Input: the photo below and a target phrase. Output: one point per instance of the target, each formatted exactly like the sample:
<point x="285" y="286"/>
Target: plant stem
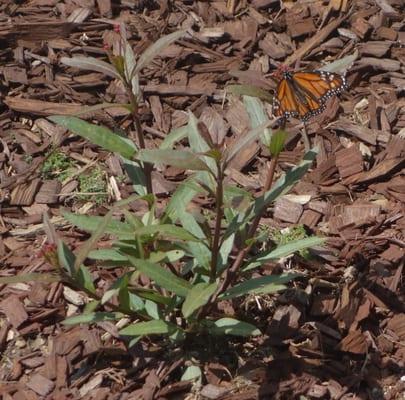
<point x="232" y="272"/>
<point x="217" y="231"/>
<point x="147" y="167"/>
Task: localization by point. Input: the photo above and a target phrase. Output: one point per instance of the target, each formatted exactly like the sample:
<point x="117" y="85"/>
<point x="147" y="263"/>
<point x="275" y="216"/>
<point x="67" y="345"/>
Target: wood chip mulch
<point x="340" y="333"/>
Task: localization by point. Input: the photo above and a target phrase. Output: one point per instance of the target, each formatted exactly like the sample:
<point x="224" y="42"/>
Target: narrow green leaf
<point x="90" y="224"/>
<point x="245" y="140"/>
<point x="285" y="183"/>
<point x="199" y="145"/>
<point x="31" y="277"/>
<point x="114" y="289"/>
<point x="84" y="279"/>
<point x="341" y="65"/>
<point x="152" y="295"/>
<point x="156" y="48"/>
<point x="176" y="158"/>
<point x="167" y="231"/>
<point x="66" y="258"/>
<point x="181" y="198"/>
<point x="200" y="251"/>
<point x="153" y="310"/>
<point x="94" y="238"/>
<point x="107" y="255"/>
<point x="93" y="317"/>
<point x="285" y="250"/>
<point x="258" y="116"/>
<point x="162" y="277"/>
<point x="173" y="137"/>
<point x="192" y="373"/>
<point x="136" y="174"/>
<point x="277" y="143"/>
<point x="98" y="135"/>
<point x="230" y="326"/>
<point x="250" y="90"/>
<point x="197" y="297"/>
<point x="92" y="64"/>
<point x="155" y="327"/>
<point x="256" y="285"/>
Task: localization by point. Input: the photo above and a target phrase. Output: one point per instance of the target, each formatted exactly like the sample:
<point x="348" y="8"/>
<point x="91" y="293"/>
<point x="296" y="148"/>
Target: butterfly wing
<point x="304" y="94"/>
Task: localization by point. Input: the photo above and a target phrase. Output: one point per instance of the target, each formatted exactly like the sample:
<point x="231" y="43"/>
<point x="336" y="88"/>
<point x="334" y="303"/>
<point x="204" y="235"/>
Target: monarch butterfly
<point x="304" y="94"/>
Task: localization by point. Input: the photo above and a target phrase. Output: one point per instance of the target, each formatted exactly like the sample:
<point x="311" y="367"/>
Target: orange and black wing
<point x="304" y="94"/>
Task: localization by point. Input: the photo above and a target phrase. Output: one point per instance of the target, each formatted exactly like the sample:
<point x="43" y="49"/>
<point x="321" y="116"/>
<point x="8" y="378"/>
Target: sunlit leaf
<point x="155" y="327"/>
<point x="285" y="250"/>
<point x="156" y="48"/>
<point x="177" y="158"/>
<point x="98" y="135"/>
<point x="197" y="297"/>
<point x="31" y="277"/>
<point x="250" y="90"/>
<point x="93" y="317"/>
<point x="92" y="64"/>
<point x="258" y="116"/>
<point x="256" y="285"/>
<point x="162" y="277"/>
<point x="230" y="326"/>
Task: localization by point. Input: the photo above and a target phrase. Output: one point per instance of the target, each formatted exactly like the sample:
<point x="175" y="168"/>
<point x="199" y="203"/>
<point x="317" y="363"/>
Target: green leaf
<point x="130" y="301"/>
<point x="197" y="297"/>
<point x="277" y="143"/>
<point x="94" y="238"/>
<point x="258" y="116"/>
<point x="152" y="309"/>
<point x="31" y="277"/>
<point x="257" y="285"/>
<point x="93" y="317"/>
<point x="224" y="251"/>
<point x="230" y="326"/>
<point x="285" y="183"/>
<point x="120" y="283"/>
<point x="173" y="137"/>
<point x="285" y="250"/>
<point x="192" y="373"/>
<point x="200" y="251"/>
<point x="98" y="135"/>
<point x="66" y="258"/>
<point x="168" y="231"/>
<point x="181" y="198"/>
<point x="136" y="174"/>
<point x="199" y="146"/>
<point x="251" y="91"/>
<point x="91" y="223"/>
<point x="244" y="140"/>
<point x="156" y="48"/>
<point x="177" y="158"/>
<point x="155" y="327"/>
<point x="92" y="64"/>
<point x="84" y="279"/>
<point x="162" y="277"/>
<point x="152" y="295"/>
<point x="107" y="255"/>
<point x="341" y="65"/>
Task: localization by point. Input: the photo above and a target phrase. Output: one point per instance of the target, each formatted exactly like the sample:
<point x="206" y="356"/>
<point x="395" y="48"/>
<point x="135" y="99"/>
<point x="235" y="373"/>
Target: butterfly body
<point x="304" y="94"/>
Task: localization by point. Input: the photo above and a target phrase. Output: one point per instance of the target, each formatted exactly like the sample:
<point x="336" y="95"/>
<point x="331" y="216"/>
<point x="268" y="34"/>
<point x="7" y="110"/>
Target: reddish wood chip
<point x="48" y="193"/>
<point x="41" y="385"/>
<point x="360" y="213"/>
<point x="349" y="161"/>
<point x="287" y="210"/>
<point x="355" y="342"/>
<point x="14" y="310"/>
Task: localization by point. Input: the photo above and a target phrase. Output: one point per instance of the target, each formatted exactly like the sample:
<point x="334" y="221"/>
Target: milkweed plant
<point x="192" y="262"/>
